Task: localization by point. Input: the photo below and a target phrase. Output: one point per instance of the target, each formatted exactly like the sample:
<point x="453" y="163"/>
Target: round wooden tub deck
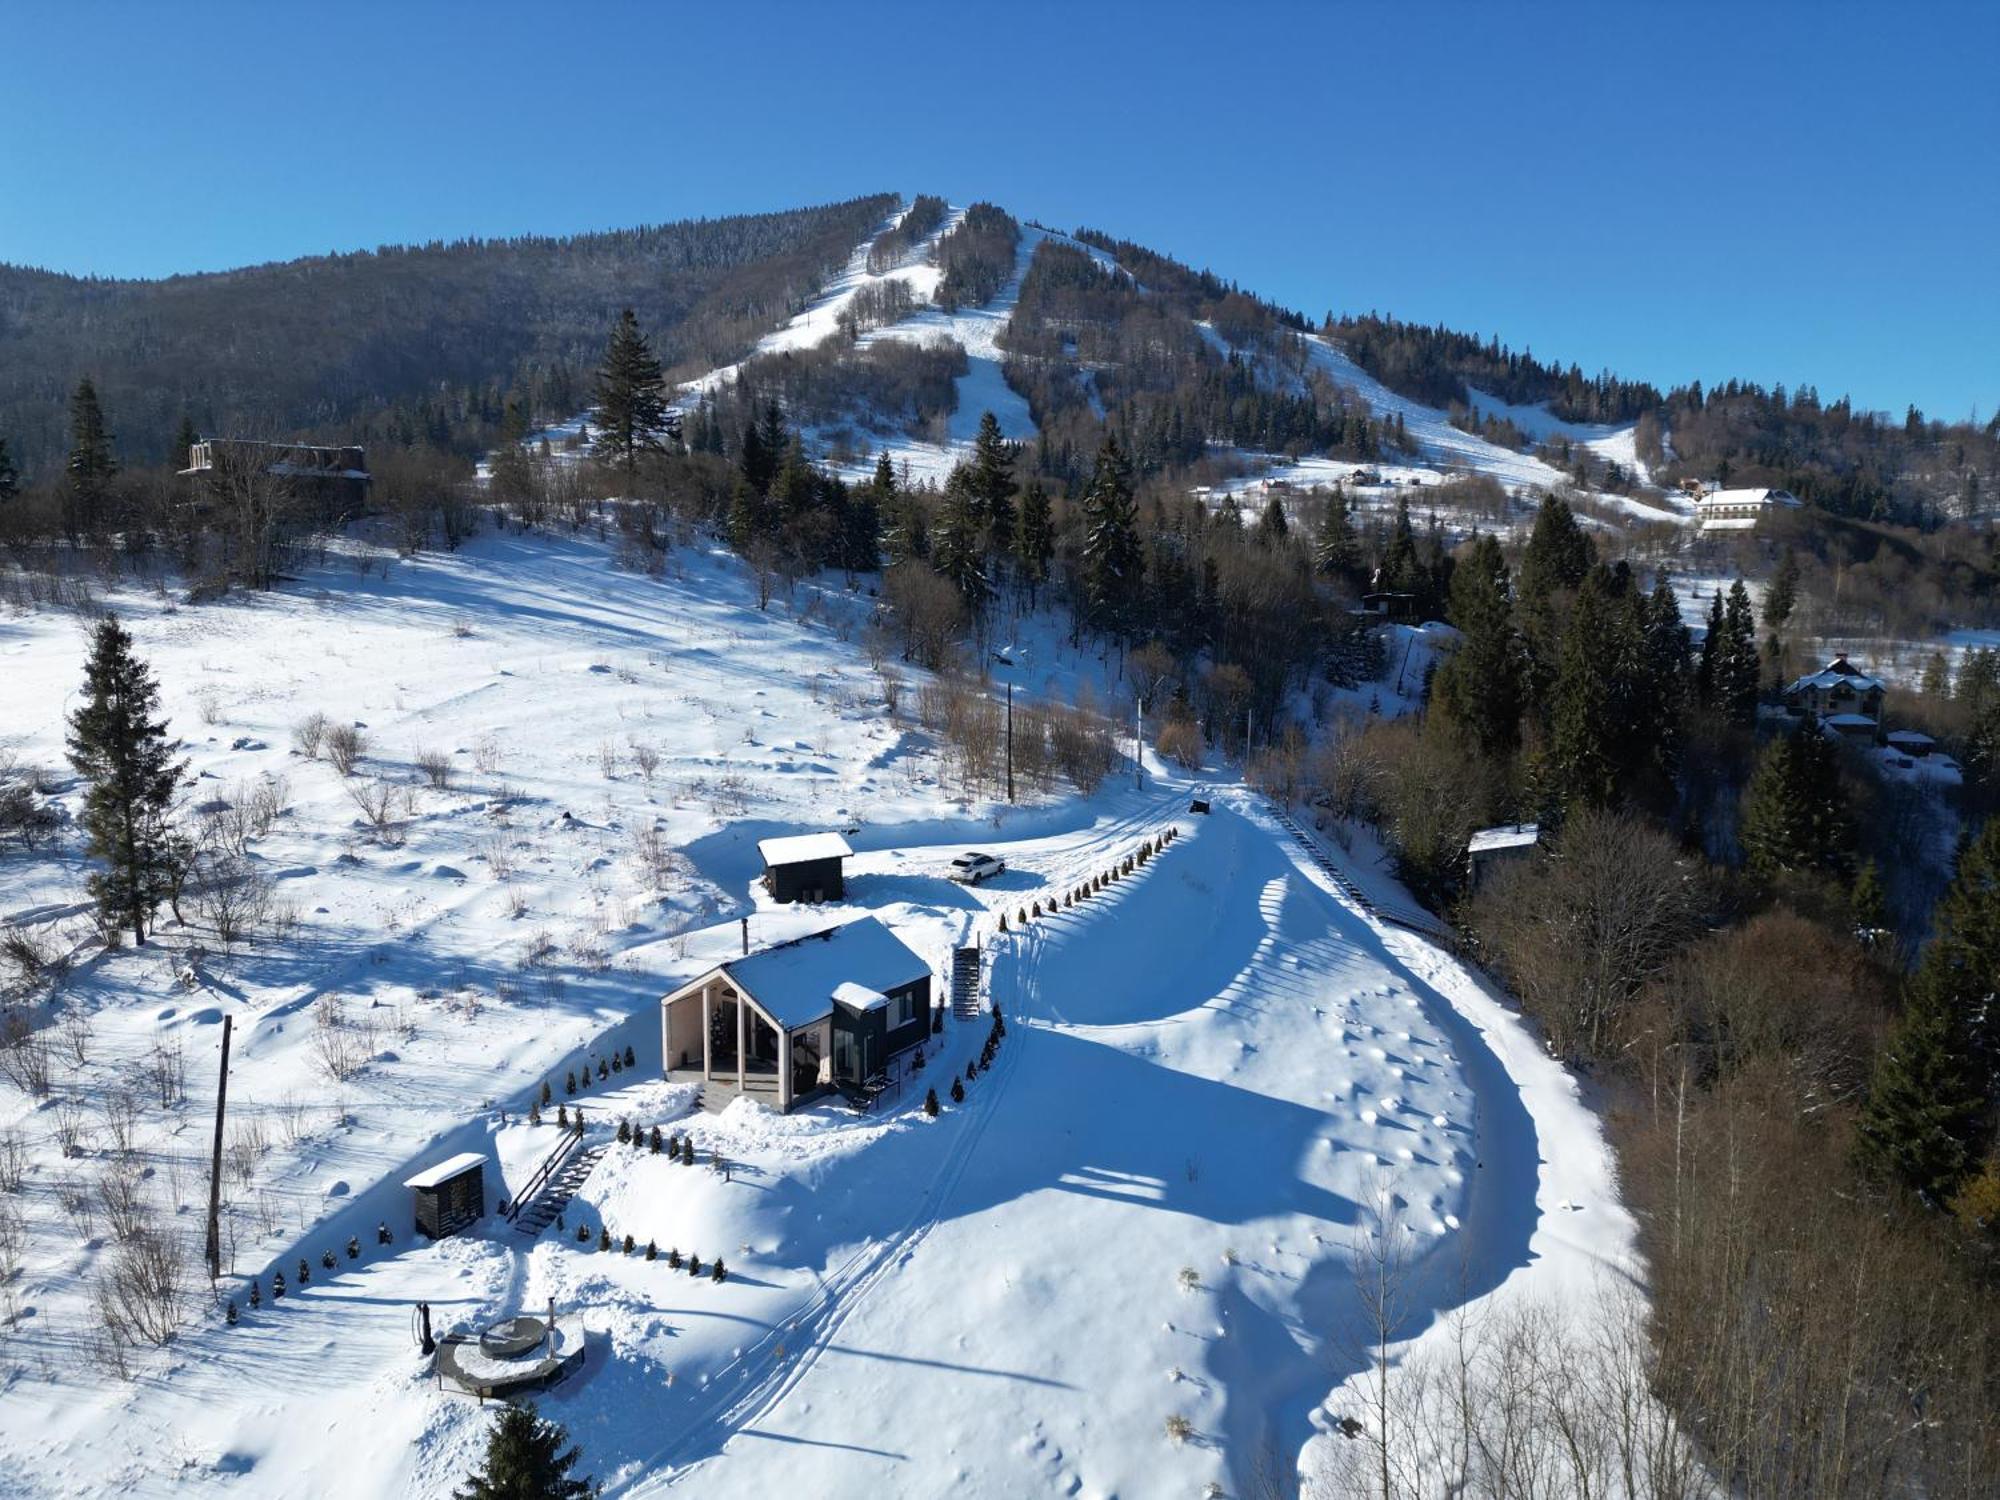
<point x="512" y="1357"/>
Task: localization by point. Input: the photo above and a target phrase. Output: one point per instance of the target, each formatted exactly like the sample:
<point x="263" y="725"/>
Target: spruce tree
<point x="1401" y="571"/>
<point x="91" y="466"/>
<point x="1709" y="663"/>
<point x="1783" y="594"/>
<point x="956" y="551"/>
<point x="992" y="479"/>
<point x="1962" y="962"/>
<point x="527" y="1458"/>
<point x="1921" y="1122"/>
<point x="1479" y="685"/>
<point x="1272" y="527"/>
<point x="181" y="455"/>
<point x="1581" y="766"/>
<point x="1869" y="904"/>
<point x="10" y="477"/>
<point x="1112" y="562"/>
<point x="126" y="760"/>
<point x="1794" y="816"/>
<point x="1736" y="673"/>
<point x="631" y="406"/>
<point x="1553" y="566"/>
<point x="1034" y="539"/>
<point x="1337" y="552"/>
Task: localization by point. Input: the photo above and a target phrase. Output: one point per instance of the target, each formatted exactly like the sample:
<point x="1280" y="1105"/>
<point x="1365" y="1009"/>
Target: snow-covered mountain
<point x="1436" y="451"/>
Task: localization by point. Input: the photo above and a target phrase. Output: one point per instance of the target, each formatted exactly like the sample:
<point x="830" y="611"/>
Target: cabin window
<point x="902" y="1009"/>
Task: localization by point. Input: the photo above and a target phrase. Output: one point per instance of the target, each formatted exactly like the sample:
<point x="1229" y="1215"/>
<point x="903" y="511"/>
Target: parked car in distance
<point x="970" y="869"/>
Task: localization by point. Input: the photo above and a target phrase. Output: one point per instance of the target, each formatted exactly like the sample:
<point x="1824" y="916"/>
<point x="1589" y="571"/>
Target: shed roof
<point x="1909" y="737"/>
<point x="445" y="1170"/>
<point x="1512" y="836"/>
<point x="796" y="983"/>
<point x="798" y="848"/>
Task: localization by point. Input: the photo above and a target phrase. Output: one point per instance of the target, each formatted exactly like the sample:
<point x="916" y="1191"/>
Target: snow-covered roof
<point x="1837" y="673"/>
<point x="1848" y="721"/>
<point x="796" y="983"/>
<point x="445" y="1170"/>
<point x="1909" y="737"/>
<point x="1512" y="836"/>
<point x="858" y="996"/>
<point x="798" y="848"/>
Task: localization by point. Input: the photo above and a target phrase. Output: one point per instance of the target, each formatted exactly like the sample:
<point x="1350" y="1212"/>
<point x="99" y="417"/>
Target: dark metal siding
<point x="808" y="880"/>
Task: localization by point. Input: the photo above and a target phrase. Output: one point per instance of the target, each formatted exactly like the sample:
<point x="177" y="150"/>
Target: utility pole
<point x="1138" y="742"/>
<point x="215" y="1164"/>
<point x="1010" y="739"/>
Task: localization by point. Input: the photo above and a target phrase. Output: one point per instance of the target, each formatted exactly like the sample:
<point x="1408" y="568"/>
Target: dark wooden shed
<point x="451" y="1195"/>
<point x="805" y="867"/>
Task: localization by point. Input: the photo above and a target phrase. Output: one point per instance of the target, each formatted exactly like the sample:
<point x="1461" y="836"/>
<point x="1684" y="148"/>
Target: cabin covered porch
<point x="717" y="1036"/>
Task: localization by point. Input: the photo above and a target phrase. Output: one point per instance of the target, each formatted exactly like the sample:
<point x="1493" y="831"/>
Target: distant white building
<point x="1740" y="510"/>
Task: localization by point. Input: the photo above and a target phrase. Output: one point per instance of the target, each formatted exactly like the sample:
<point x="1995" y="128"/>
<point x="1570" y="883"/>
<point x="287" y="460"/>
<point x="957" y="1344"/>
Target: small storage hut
<point x="451" y="1195"/>
<point x="805" y="867"/>
<point x="1491" y="846"/>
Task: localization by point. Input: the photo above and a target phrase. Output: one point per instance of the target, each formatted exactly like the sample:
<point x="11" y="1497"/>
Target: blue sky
<point x="1798" y="193"/>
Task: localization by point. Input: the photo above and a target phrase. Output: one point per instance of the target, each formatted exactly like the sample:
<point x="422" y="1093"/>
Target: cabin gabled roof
<point x="798" y="983"/>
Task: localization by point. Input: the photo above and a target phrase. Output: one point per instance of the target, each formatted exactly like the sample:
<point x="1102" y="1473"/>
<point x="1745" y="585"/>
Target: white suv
<point x="970" y="869"/>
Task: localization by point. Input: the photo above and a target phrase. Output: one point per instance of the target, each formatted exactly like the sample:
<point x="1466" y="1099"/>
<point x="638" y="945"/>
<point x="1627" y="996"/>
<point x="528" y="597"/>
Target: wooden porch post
<point x="707" y="1072"/>
<point x="784" y="1071"/>
<point x="742" y="1062"/>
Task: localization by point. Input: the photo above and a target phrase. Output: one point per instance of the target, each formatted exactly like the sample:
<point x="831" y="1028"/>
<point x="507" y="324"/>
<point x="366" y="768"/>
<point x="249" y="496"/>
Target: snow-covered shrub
<point x="931" y="1103"/>
<point x="1179" y="1428"/>
<point x="436" y="766"/>
<point x="142" y="1290"/>
<point x="309" y="735"/>
<point x="24" y="1054"/>
<point x="345" y="744"/>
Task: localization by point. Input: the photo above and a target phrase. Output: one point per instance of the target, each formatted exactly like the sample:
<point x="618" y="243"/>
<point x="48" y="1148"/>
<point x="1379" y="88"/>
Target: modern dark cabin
<point x="805" y="867"/>
<point x="450" y="1196"/>
<point x="840" y="1009"/>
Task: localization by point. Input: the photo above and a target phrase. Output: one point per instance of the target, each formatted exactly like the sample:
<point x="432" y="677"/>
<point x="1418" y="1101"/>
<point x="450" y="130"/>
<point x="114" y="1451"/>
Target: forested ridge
<point x="405" y="344"/>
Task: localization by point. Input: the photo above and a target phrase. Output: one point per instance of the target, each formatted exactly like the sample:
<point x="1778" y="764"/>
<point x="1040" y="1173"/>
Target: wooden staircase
<point x="1401" y="914"/>
<point x="965" y="984"/>
<point x="559" y="1178"/>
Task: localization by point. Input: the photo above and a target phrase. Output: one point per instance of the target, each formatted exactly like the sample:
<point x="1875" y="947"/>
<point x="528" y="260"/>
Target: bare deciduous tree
<point x="1588" y="923"/>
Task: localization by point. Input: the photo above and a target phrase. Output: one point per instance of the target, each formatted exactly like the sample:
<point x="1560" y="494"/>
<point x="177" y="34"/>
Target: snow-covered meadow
<point x="1217" y="1073"/>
